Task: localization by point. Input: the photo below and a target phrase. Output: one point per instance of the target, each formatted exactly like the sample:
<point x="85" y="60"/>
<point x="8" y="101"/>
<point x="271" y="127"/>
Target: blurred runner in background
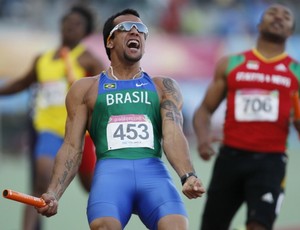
<point x="52" y="73"/>
<point x="258" y="86"/>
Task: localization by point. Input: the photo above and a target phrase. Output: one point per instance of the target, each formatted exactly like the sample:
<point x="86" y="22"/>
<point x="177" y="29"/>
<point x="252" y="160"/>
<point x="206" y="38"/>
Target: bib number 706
<point x="256" y="105"/>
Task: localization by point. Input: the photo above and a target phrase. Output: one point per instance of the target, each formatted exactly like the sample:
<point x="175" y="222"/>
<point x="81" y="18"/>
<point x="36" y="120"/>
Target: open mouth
<point x="133" y="44"/>
<point x="277" y="25"/>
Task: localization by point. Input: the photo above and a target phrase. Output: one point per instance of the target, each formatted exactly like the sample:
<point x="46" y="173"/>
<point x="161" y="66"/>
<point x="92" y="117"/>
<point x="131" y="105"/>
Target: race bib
<point x="52" y="94"/>
<point x="256" y="105"/>
<point x="129" y="131"/>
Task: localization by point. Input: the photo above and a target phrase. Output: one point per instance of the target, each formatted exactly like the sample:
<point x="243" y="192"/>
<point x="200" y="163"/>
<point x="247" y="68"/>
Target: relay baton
<point x="24" y="198"/>
<point x="64" y="53"/>
<point x="296" y="106"/>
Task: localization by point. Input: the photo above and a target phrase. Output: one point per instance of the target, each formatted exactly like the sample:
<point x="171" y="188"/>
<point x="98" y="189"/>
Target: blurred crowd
<point x="189" y="17"/>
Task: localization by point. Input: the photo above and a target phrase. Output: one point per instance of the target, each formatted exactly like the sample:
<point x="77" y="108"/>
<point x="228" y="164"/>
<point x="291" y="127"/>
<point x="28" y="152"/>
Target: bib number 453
<point x="129" y="131"/>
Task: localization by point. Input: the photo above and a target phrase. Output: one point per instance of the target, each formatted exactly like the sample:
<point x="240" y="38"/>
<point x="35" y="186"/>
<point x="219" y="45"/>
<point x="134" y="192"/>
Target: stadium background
<point x="186" y="39"/>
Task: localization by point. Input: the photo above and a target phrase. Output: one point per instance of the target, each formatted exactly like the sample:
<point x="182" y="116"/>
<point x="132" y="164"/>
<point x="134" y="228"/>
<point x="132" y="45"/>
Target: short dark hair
<point x="109" y="25"/>
<point x="84" y="12"/>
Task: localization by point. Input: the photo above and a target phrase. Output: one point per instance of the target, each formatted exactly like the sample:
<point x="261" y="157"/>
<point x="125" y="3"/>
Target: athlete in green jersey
<point x="131" y="118"/>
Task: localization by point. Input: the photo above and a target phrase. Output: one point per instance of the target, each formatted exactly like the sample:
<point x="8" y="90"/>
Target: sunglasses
<point x="127" y="26"/>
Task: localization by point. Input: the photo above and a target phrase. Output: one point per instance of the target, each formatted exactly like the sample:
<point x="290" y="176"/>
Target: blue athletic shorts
<point x="47" y="144"/>
<point x="123" y="187"/>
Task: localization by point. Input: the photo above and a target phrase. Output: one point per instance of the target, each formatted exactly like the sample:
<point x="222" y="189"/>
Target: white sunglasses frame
<point x="117" y="27"/>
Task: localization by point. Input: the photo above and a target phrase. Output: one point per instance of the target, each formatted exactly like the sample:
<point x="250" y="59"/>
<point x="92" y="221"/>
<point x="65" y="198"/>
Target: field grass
<point x="14" y="174"/>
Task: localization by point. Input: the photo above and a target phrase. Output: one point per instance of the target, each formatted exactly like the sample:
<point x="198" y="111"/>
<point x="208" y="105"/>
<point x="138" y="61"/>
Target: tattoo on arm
<point x="172" y="112"/>
<point x="170" y="88"/>
<point x="171" y="101"/>
<point x="69" y="164"/>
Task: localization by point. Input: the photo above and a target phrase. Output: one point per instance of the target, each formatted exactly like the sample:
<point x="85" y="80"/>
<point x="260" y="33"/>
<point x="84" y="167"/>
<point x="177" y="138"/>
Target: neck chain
<point x="113" y="75"/>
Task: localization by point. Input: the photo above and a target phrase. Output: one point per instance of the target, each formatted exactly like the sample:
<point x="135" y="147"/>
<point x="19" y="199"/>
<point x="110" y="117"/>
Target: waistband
<point x="235" y="151"/>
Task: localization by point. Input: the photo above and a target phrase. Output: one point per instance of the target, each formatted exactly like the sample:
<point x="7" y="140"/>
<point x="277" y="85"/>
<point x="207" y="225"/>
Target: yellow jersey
<point x="50" y="111"/>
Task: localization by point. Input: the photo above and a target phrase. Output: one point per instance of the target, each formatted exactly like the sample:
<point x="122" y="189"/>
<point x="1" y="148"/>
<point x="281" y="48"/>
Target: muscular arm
<point x="69" y="156"/>
<point x="175" y="144"/>
<point x="215" y="93"/>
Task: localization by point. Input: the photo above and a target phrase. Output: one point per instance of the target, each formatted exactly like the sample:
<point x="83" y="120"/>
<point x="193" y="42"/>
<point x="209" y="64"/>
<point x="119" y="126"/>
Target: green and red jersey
<point x="259" y="101"/>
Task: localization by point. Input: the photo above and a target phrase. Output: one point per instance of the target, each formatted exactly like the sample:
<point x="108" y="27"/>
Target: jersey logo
<point x="281" y="67"/>
<point x="254" y="65"/>
<point x="268" y="197"/>
<point x="139" y="85"/>
<point x="110" y="86"/>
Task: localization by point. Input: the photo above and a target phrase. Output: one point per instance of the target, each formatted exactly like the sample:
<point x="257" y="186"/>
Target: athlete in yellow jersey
<point x="50" y="111"/>
<point x="53" y="72"/>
